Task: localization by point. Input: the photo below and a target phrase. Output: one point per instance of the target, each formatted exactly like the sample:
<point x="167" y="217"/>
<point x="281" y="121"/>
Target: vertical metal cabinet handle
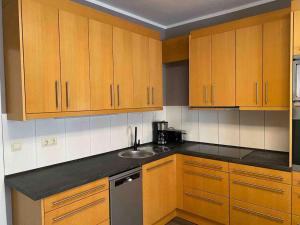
<point x="148" y="95"/>
<point x="256" y="94"/>
<point x="76" y="211"/>
<point x="111" y="96"/>
<point x="56" y="94"/>
<point x="258" y="214"/>
<point x="212" y="94"/>
<point x="205" y="94"/>
<point x="118" y="92"/>
<point x="68" y="94"/>
<point x="152" y="95"/>
<point x="266" y="92"/>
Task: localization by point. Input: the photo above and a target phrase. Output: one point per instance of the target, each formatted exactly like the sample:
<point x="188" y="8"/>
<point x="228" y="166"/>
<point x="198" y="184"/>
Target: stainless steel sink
<point x="136" y="154"/>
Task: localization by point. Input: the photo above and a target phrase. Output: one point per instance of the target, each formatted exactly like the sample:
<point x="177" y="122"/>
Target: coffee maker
<point x="160" y="129"/>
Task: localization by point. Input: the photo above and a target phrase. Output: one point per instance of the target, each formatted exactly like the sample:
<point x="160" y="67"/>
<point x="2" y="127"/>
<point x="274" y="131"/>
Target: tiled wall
<point x="76" y="138"/>
<point x="263" y="130"/>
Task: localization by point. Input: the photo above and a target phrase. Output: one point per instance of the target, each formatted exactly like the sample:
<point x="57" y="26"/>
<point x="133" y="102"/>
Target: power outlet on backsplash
<point x="50" y="141"/>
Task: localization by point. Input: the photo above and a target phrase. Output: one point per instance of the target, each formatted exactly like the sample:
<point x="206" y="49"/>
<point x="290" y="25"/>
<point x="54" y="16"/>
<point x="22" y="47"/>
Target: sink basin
<point x="139" y="154"/>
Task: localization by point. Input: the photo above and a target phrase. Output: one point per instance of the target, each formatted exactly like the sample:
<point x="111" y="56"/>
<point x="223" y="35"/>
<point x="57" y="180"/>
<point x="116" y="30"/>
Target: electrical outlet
<point x="49" y="141"/>
<point x="17" y="146"/>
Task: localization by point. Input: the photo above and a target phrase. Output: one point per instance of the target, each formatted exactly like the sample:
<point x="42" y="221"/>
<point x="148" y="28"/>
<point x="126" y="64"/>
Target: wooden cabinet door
<point x="249" y="66"/>
<point x="297" y="33"/>
<point x="41" y="57"/>
<point x="155" y="70"/>
<point x="101" y="65"/>
<point x="223" y="69"/>
<point x="276" y="63"/>
<point x="123" y="68"/>
<point x="159" y="189"/>
<point x="74" y="48"/>
<point x="200" y="72"/>
<point x="141" y="80"/>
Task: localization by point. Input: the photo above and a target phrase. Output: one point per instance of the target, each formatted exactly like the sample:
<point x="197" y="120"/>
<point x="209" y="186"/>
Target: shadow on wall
<point x="177" y="84"/>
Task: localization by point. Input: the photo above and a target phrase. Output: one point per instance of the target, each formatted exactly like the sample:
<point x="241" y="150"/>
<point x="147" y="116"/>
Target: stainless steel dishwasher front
<point x="126" y="198"/>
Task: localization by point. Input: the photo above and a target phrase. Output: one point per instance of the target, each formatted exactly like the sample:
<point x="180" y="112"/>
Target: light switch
<point x="17" y="146"/>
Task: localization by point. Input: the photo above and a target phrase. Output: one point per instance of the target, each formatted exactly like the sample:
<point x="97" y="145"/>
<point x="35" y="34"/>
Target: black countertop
<point x="44" y="182"/>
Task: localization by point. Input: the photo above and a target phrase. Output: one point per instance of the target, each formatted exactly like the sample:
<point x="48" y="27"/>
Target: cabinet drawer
<point x="264" y="193"/>
<point x="296" y="200"/>
<point x="89" y="211"/>
<point x="247" y="214"/>
<point x="296" y="178"/>
<point x="206" y="205"/>
<point x="205" y="163"/>
<point x="75" y="194"/>
<point x="206" y="180"/>
<point x="261" y="173"/>
<point x="296" y="220"/>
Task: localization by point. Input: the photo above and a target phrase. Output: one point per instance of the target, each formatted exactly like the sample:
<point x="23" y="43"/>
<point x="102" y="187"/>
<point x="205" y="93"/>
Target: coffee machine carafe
<point x="160" y="132"/>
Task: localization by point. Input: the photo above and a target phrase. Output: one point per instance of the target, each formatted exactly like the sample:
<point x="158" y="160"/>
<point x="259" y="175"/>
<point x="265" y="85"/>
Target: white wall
<point x="254" y="129"/>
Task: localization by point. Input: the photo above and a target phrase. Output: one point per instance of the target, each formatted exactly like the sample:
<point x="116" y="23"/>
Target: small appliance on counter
<point x="296" y="81"/>
<point x="162" y="134"/>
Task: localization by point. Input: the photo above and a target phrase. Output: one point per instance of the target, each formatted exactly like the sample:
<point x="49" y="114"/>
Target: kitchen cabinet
<point x="123" y="68"/>
<point x="159" y="192"/>
<point x="297" y="33"/>
<point x="249" y="66"/>
<point x="74" y="49"/>
<point x="64" y="59"/>
<point x="141" y="78"/>
<point x="276" y="59"/>
<point x="223" y="69"/>
<point x="41" y="57"/>
<point x="101" y="65"/>
<point x="200" y="72"/>
<point x="155" y="71"/>
<point x="87" y="204"/>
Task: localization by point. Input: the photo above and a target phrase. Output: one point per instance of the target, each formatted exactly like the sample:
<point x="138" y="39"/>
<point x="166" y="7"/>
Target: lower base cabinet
<point x="242" y="213"/>
<point x="295" y="220"/>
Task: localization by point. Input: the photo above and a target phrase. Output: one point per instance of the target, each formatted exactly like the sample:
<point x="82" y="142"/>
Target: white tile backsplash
<point x="208" y="126"/>
<point x="52" y="154"/>
<point x="22" y="134"/>
<point x="78" y="138"/>
<point x="190" y="124"/>
<point x="252" y="129"/>
<point x="229" y="129"/>
<point x="277" y="131"/>
<point x="120" y="133"/>
<point x="173" y="115"/>
<point x="135" y="120"/>
<point x="100" y="134"/>
<point x="148" y="118"/>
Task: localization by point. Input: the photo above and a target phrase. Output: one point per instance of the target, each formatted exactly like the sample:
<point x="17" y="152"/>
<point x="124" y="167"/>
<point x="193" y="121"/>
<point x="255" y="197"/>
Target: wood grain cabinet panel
<point x="296" y="200"/>
<point x="159" y="189"/>
<point x="295" y="220"/>
<point x="74" y="48"/>
<point x="297" y="33"/>
<point x="223" y="69"/>
<point x="101" y="65"/>
<point x="242" y="213"/>
<point x="200" y="72"/>
<point x="249" y="66"/>
<point x="92" y="210"/>
<point x="41" y="57"/>
<point x="123" y="68"/>
<point x="141" y="80"/>
<point x="155" y="73"/>
<point x="276" y="63"/>
<point x="206" y="205"/>
<point x="296" y="178"/>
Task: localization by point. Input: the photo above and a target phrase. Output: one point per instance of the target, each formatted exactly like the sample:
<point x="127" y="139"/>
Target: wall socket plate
<point x="16" y="146"/>
<point x="49" y="141"/>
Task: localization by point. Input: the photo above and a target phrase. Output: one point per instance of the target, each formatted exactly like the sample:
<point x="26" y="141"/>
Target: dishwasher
<point x="126" y="198"/>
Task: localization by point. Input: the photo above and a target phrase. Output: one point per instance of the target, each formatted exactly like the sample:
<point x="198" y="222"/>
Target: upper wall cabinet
<point x="65" y="59"/>
<point x="74" y="48"/>
<point x="247" y="66"/>
<point x="41" y="57"/>
<point x="276" y="59"/>
<point x="223" y="69"/>
<point x="297" y="33"/>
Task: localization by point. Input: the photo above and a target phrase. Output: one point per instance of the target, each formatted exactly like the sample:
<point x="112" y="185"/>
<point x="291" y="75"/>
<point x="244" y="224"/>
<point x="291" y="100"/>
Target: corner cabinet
<point x="65" y="59"/>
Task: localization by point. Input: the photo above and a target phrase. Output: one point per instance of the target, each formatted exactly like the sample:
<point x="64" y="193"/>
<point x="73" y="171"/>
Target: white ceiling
<point x="171" y="13"/>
